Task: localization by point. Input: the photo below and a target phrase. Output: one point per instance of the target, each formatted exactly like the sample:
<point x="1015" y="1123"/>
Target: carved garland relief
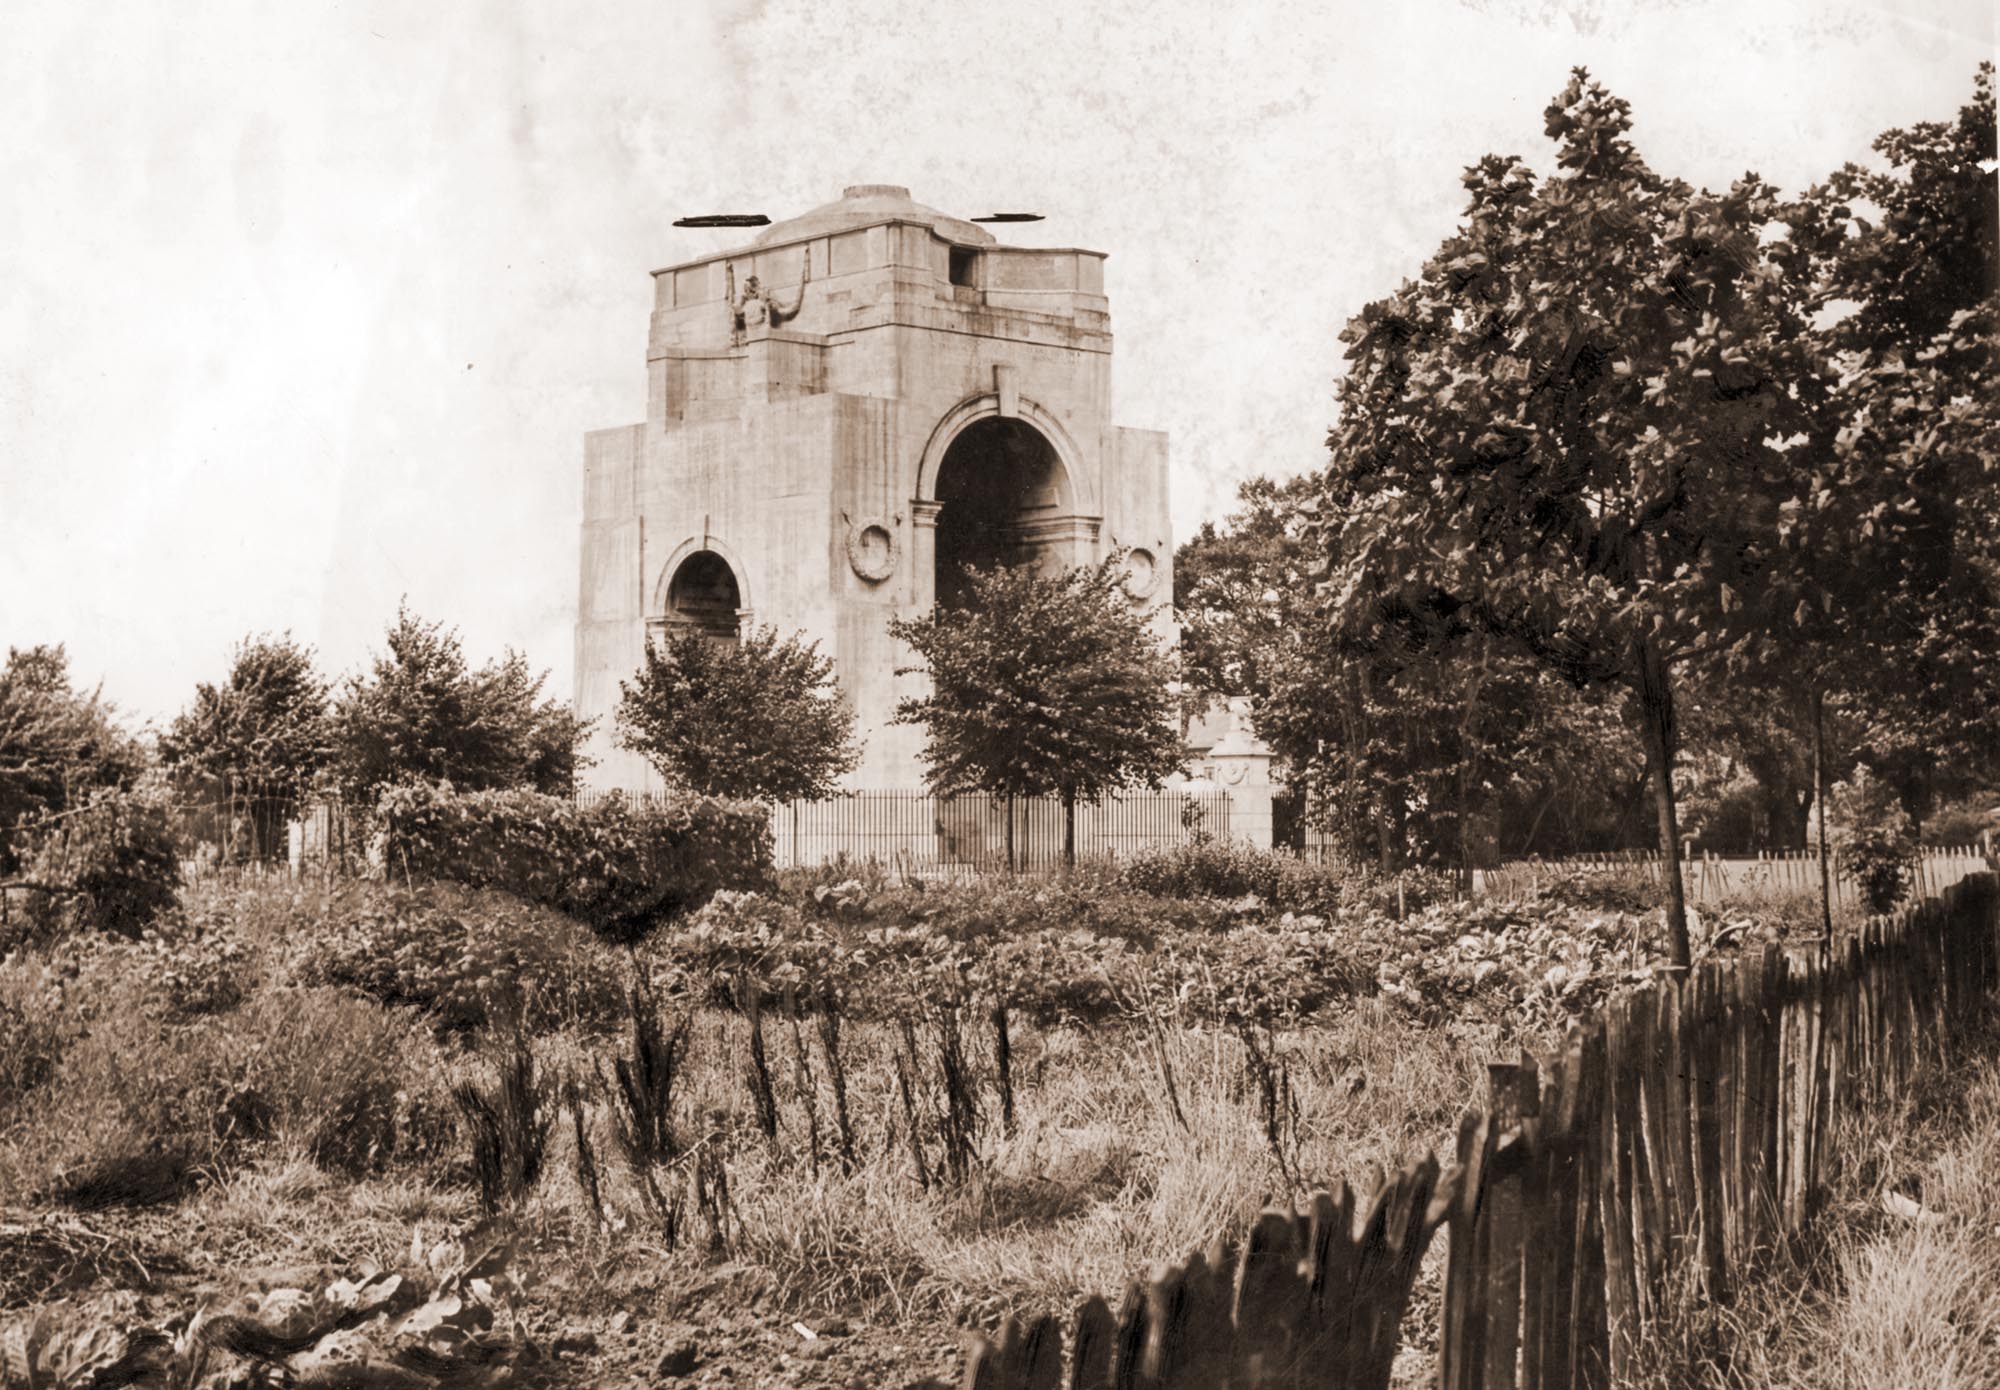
<point x="872" y="547"/>
<point x="1142" y="570"/>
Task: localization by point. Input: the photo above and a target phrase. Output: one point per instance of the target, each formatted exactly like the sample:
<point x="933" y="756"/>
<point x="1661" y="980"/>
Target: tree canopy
<point x="266" y="723"/>
<point x="57" y="743"/>
<point x="1897" y="503"/>
<point x="1564" y="431"/>
<point x="1728" y="456"/>
<point x="1445" y="754"/>
<point x="1042" y="685"/>
<point x="1237" y="585"/>
<point x="755" y="719"/>
<point x="420" y="712"/>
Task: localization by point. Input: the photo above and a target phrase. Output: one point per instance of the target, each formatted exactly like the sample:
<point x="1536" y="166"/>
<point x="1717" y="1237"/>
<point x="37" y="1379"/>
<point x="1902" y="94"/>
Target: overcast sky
<point x="306" y="307"/>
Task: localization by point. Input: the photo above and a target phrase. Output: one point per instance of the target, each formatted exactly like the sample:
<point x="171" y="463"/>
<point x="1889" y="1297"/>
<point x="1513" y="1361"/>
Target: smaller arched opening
<point x="703" y="596"/>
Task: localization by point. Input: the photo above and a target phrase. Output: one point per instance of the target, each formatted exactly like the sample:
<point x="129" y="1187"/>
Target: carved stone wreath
<point x="1142" y="573"/>
<point x="872" y="548"/>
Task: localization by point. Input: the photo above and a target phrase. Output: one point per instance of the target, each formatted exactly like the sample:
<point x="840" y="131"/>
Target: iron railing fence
<point x="914" y="830"/>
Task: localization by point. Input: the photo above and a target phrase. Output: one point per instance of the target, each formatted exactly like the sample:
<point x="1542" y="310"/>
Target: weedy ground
<point x="184" y="1119"/>
<point x="252" y="1098"/>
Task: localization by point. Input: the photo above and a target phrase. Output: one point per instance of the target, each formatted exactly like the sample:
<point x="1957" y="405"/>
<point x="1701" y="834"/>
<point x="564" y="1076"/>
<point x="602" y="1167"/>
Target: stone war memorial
<point x="840" y="416"/>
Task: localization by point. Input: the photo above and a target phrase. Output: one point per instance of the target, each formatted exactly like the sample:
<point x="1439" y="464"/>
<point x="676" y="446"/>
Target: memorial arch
<point x="997" y="488"/>
<point x="841" y="412"/>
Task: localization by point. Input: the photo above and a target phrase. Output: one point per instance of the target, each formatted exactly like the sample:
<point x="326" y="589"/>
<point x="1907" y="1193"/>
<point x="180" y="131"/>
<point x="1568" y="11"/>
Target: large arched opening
<point x="703" y="596"/>
<point x="999" y="485"/>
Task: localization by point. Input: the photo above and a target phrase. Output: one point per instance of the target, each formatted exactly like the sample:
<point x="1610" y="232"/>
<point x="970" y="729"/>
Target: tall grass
<point x="1902" y="1299"/>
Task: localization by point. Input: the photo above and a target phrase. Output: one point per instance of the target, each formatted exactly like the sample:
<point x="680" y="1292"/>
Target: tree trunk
<point x="1535" y="825"/>
<point x="1069" y="827"/>
<point x="1464" y="830"/>
<point x="1656" y="705"/>
<point x="1819" y="800"/>
<point x="1798" y="816"/>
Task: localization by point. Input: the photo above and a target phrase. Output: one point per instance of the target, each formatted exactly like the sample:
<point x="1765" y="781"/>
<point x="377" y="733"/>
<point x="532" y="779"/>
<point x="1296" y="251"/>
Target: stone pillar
<point x="1241" y="765"/>
<point x="923" y="554"/>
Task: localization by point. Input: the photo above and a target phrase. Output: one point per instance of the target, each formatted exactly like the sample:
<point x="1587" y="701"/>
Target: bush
<point x="110" y="864"/>
<point x="1051" y="951"/>
<point x="619" y="866"/>
<point x="1875" y="844"/>
<point x="1967" y="821"/>
<point x="1209" y="868"/>
<point x="339" y="1078"/>
<point x="466" y="958"/>
<point x="193" y="970"/>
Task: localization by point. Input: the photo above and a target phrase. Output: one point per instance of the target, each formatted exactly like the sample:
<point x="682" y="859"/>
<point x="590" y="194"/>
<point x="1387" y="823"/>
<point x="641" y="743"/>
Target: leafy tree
<point x="1236" y="588"/>
<point x="1748" y="732"/>
<point x="265" y="724"/>
<point x="1042" y="685"/>
<point x="421" y="713"/>
<point x="543" y="739"/>
<point x="1886" y="569"/>
<point x="755" y="719"/>
<point x="1897" y="498"/>
<point x="57" y="743"/>
<point x="1446" y="755"/>
<point x="1560" y="432"/>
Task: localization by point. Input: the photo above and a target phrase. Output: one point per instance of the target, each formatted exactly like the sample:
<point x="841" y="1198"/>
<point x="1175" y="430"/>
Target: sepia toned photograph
<point x="740" y="693"/>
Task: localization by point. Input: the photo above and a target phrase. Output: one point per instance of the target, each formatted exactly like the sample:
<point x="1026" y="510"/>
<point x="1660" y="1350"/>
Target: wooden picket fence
<point x="1674" y="1143"/>
<point x="1708" y="878"/>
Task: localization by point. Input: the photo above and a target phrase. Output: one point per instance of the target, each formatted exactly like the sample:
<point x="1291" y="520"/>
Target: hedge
<point x="619" y="866"/>
<point x="110" y="864"/>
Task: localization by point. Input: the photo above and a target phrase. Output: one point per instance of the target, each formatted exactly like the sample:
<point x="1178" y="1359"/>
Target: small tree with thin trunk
<point x="1042" y="685"/>
<point x="758" y="719"/>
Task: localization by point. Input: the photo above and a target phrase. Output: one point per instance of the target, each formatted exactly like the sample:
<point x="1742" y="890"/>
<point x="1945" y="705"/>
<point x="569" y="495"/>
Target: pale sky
<point x="307" y="307"/>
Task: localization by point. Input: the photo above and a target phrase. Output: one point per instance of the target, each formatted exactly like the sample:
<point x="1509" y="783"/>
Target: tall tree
<point x="1441" y="754"/>
<point x="264" y="723"/>
<point x="757" y="718"/>
<point x="57" y="743"/>
<point x="1237" y="588"/>
<point x="1042" y="685"/>
<point x="542" y="739"/>
<point x="1558" y="432"/>
<point x="1899" y="502"/>
<point x="421" y="712"/>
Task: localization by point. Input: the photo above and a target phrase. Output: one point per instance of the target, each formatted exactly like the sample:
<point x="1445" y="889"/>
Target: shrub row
<point x="466" y="958"/>
<point x="1081" y="950"/>
<point x="882" y="957"/>
<point x="619" y="866"/>
<point x="1209" y="868"/>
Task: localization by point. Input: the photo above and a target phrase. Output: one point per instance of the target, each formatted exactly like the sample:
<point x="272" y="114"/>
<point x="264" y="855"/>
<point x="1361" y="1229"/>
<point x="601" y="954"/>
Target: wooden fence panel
<point x="1621" y="1157"/>
<point x="1681" y="1132"/>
